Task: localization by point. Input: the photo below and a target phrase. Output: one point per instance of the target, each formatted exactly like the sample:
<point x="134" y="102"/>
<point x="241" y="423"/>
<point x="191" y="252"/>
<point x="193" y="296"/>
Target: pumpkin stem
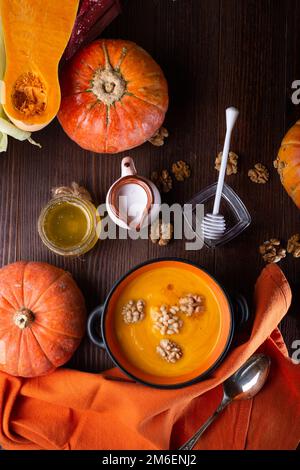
<point x="23" y="318"/>
<point x="108" y="65"/>
<point x="108" y="84"/>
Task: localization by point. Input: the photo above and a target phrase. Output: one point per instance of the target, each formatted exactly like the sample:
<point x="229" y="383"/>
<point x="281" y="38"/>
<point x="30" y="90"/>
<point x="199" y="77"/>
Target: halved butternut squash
<point x="36" y="33"/>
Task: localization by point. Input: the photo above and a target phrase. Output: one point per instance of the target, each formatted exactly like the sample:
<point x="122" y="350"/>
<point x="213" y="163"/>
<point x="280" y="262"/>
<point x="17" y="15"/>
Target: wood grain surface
<point x="214" y="53"/>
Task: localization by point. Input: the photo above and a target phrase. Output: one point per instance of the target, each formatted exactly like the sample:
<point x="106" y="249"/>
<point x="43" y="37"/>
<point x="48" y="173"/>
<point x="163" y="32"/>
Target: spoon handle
<point x="190" y="444"/>
<point x="231" y="117"/>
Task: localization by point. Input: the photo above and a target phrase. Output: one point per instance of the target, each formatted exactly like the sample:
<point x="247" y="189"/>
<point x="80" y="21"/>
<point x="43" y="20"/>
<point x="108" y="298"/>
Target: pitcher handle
<point x="127" y="167"/>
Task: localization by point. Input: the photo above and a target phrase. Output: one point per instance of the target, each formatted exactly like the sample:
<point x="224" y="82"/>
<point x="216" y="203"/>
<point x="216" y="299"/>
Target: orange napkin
<point x="75" y="410"/>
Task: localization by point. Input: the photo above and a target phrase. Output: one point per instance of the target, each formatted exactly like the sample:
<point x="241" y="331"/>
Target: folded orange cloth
<point x="75" y="410"/>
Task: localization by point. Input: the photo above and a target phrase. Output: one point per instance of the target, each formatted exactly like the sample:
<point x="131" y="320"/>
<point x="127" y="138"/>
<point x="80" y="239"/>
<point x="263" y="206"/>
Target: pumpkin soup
<point x="162" y="287"/>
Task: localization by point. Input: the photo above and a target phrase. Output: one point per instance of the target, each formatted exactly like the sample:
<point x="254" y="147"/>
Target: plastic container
<point x="236" y="215"/>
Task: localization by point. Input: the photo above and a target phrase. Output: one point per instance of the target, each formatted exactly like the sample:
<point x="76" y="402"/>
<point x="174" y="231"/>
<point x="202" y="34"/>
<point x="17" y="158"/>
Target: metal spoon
<point x="244" y="384"/>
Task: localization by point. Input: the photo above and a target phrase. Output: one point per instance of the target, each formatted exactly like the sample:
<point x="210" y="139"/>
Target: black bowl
<point x="97" y="331"/>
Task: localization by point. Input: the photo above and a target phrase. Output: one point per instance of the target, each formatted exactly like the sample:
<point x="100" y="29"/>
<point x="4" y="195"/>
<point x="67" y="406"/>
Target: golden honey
<point x="67" y="225"/>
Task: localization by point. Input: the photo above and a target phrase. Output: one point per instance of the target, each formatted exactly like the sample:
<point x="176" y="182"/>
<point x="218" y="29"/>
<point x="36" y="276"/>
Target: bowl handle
<point x="93" y="320"/>
<point x="240" y="309"/>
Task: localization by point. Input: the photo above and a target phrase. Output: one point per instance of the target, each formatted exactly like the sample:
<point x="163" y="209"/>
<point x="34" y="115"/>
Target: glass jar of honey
<point x="68" y="223"/>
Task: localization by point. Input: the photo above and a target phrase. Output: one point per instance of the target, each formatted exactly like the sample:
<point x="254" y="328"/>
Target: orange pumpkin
<point x="288" y="163"/>
<point x="42" y="318"/>
<point x="114" y="96"/>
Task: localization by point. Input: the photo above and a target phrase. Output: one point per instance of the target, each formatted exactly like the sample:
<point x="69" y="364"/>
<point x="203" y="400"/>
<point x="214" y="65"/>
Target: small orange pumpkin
<point x="288" y="163"/>
<point x="42" y="318"/>
<point x="114" y="96"/>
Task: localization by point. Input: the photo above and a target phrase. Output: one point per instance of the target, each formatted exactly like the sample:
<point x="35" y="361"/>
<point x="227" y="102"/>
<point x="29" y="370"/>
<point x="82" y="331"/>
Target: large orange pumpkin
<point x="114" y="96"/>
<point x="288" y="163"/>
<point x="42" y="318"/>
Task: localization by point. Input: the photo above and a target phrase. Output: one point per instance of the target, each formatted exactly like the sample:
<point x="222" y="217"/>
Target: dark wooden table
<point x="214" y="53"/>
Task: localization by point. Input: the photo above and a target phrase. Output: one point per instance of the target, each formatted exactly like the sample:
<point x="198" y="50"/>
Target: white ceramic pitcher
<point x="132" y="202"/>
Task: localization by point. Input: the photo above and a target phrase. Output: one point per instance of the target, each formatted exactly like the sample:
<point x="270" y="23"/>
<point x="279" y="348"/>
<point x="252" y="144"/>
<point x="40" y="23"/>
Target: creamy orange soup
<point x="199" y="336"/>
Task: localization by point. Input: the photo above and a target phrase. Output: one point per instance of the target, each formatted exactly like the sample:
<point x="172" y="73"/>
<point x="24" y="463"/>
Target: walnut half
<point x="181" y="170"/>
<point x="134" y="311"/>
<point x="279" y="165"/>
<point x="169" y="350"/>
<point x="166" y="320"/>
<point x="232" y="163"/>
<point x="190" y="304"/>
<point x="161" y="232"/>
<point x="162" y="180"/>
<point x="293" y="245"/>
<point x="158" y="139"/>
<point x="259" y="174"/>
<point x="272" y="251"/>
